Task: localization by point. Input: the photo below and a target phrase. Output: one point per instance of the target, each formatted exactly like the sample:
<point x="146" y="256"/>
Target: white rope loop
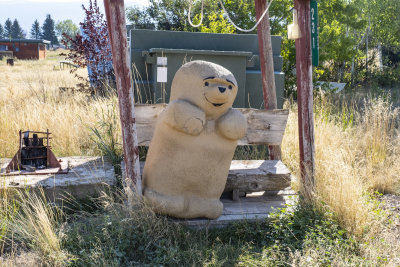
<point x="227" y="16"/>
<point x="246" y="30"/>
<point x="201" y="14"/>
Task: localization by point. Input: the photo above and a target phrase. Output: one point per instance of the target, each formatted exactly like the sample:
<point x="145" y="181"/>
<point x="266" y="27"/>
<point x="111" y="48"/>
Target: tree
<point x="91" y="48"/>
<point x="1" y="32"/>
<point x="385" y="21"/>
<point x="67" y="27"/>
<point x="217" y="24"/>
<point x="35" y="30"/>
<point x="140" y="18"/>
<point x="16" y="31"/>
<point x="48" y="32"/>
<point x="7" y="29"/>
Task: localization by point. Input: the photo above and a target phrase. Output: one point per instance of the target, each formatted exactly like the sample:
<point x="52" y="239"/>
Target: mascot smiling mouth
<point x="214" y="104"/>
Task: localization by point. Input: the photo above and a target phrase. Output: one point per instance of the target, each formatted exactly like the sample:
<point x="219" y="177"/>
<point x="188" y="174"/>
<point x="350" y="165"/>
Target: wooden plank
<point x="305" y="98"/>
<point x="256" y="209"/>
<point x="264" y="126"/>
<point x="87" y="177"/>
<point x="255" y="176"/>
<point x="267" y="66"/>
<point x="115" y="13"/>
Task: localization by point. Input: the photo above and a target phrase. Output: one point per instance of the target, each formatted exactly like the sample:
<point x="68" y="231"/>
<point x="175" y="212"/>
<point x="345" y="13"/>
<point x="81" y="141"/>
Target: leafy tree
<point x="7" y="29"/>
<point x="1" y="32"/>
<point x="35" y="30"/>
<point x="16" y="31"/>
<point x="48" y="32"/>
<point x="66" y="26"/>
<point x="384" y="19"/>
<point x="217" y="24"/>
<point x="339" y="26"/>
<point x="168" y="14"/>
<point x="91" y="48"/>
<point x="140" y="18"/>
<point x="172" y="15"/>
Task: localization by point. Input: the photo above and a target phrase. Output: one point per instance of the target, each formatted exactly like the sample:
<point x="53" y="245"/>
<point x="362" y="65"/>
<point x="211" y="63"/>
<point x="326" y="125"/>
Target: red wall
<point x="26" y="50"/>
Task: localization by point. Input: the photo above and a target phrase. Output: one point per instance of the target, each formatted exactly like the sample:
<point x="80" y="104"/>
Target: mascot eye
<point x="230" y="87"/>
<point x="206" y="84"/>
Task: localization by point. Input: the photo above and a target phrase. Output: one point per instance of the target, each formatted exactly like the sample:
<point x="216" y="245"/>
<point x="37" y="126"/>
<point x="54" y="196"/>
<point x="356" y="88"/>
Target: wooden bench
<point x="265" y="127"/>
<point x="67" y="63"/>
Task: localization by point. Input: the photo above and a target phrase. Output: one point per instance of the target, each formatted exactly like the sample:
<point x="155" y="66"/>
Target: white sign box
<point x="162" y="74"/>
<point x="162" y="61"/>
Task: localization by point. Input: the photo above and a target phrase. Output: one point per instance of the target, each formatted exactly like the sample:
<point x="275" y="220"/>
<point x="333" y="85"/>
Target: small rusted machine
<point x="34" y="155"/>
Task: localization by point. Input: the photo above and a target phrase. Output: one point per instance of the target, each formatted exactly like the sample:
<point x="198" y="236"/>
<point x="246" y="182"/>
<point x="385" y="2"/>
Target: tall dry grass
<point x="36" y="225"/>
<point x="352" y="159"/>
<point x="30" y="98"/>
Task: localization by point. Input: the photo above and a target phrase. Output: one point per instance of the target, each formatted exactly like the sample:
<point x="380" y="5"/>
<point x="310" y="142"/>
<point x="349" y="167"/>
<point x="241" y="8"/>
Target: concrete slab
<point x="87" y="176"/>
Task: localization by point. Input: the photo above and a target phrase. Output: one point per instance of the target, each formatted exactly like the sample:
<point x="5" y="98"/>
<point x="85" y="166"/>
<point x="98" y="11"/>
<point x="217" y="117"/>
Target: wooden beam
<point x="267" y="66"/>
<point x="305" y="98"/>
<point x="246" y="176"/>
<point x="115" y="13"/>
<point x="263" y="126"/>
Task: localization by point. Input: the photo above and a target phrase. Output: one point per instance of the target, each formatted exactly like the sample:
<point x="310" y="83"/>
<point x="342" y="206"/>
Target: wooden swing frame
<point x="115" y="14"/>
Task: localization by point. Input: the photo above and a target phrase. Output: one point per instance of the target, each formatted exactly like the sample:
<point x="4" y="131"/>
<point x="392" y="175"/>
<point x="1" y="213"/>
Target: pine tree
<point x="16" y="30"/>
<point x="7" y="29"/>
<point x="48" y="32"/>
<point x="1" y="32"/>
<point x="35" y="30"/>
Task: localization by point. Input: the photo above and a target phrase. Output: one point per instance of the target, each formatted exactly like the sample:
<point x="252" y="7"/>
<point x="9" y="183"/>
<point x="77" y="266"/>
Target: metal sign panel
<point x="314" y="32"/>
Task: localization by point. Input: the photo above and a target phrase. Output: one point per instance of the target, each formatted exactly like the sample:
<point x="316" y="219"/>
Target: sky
<point x="26" y="11"/>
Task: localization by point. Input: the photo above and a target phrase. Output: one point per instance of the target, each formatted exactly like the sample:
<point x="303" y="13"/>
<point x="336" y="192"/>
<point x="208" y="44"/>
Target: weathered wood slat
<point x="255" y="176"/>
<point x="87" y="177"/>
<point x="247" y="208"/>
<point x="264" y="126"/>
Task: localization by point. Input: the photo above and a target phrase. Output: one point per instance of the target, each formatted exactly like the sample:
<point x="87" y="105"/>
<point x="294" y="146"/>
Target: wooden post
<point x="305" y="98"/>
<point x="267" y="65"/>
<point x="115" y="13"/>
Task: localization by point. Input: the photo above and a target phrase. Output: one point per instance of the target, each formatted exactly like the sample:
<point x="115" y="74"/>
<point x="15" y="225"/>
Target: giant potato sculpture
<point x="193" y="144"/>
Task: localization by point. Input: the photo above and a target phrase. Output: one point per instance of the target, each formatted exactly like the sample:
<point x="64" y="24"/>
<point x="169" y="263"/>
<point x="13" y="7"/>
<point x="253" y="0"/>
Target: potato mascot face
<point x="209" y="86"/>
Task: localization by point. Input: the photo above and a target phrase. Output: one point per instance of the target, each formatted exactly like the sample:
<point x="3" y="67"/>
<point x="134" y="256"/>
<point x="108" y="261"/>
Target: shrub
<point x="92" y="49"/>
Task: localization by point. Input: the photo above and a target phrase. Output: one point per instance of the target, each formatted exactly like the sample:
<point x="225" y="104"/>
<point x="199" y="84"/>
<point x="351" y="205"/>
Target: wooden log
<point x="257" y="175"/>
<point x="264" y="126"/>
<point x="266" y="57"/>
<point x="267" y="66"/>
<point x="115" y="13"/>
<point x="305" y="98"/>
<point x="246" y="176"/>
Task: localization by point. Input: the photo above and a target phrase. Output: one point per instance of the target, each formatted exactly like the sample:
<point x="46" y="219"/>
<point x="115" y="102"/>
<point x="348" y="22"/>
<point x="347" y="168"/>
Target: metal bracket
<point x="148" y="58"/>
<point x="252" y="61"/>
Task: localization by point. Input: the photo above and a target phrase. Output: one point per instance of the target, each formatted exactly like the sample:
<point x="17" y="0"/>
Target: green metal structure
<point x="155" y="52"/>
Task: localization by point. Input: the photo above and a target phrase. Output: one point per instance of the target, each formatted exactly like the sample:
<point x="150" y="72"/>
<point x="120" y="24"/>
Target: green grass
<point x="117" y="236"/>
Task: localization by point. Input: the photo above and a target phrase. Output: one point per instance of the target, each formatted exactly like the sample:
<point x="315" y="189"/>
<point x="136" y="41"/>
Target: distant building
<point x="25" y="48"/>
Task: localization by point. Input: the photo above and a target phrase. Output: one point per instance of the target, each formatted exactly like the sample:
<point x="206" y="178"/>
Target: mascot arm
<point x="185" y="117"/>
<point x="232" y="125"/>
